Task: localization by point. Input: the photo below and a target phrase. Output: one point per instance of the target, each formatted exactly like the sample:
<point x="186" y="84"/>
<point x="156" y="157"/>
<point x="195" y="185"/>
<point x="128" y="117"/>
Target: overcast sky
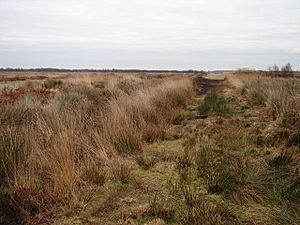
<point x="149" y="34"/>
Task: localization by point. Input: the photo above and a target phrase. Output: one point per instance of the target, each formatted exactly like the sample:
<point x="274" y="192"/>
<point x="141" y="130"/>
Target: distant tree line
<point x="286" y="70"/>
<point x="98" y="70"/>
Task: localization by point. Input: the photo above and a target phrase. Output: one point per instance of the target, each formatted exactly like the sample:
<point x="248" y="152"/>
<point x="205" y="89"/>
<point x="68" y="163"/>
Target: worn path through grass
<point x="129" y="202"/>
<point x="211" y="169"/>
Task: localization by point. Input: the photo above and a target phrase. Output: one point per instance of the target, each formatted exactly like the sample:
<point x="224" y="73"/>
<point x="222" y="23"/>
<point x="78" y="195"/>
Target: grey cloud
<point x="174" y="29"/>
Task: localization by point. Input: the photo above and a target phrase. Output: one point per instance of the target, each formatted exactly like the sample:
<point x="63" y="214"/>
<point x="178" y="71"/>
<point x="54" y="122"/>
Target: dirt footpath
<point x="209" y="82"/>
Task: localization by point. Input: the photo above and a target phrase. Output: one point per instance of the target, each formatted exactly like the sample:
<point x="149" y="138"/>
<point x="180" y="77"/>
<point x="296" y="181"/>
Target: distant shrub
<point x="93" y="95"/>
<point x="12" y="114"/>
<point x="287" y="70"/>
<point x="243" y="90"/>
<point x="215" y="104"/>
<point x="274" y="70"/>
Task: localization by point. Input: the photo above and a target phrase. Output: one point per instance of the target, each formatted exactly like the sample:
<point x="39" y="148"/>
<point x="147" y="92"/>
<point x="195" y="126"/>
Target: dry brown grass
<point x="282" y="97"/>
<point x="58" y="147"/>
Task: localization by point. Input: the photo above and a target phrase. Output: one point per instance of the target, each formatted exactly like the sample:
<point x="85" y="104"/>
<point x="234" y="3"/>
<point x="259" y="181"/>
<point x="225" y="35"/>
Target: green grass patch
<point x="216" y="104"/>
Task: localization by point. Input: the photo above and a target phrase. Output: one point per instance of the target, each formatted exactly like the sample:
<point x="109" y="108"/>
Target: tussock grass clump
<point x="121" y="170"/>
<point x="223" y="171"/>
<point x="190" y="205"/>
<point x="282" y="96"/>
<point x="283" y="175"/>
<point x="215" y="104"/>
<point x="146" y="162"/>
<point x="21" y="113"/>
<point x="276" y="92"/>
<point x="161" y="206"/>
<point x="14" y="148"/>
<point x="281" y="160"/>
<point x="291" y="191"/>
<point x="95" y="174"/>
<point x="257" y="98"/>
<point x="51" y="84"/>
<point x="206" y="209"/>
<point x="146" y="114"/>
<point x="187" y="201"/>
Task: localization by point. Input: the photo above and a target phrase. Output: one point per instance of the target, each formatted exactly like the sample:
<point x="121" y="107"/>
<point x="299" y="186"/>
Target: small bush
<point x="243" y="90"/>
<point x="215" y="104"/>
<point x="94" y="95"/>
<point x="286" y="129"/>
<point x="287" y="70"/>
